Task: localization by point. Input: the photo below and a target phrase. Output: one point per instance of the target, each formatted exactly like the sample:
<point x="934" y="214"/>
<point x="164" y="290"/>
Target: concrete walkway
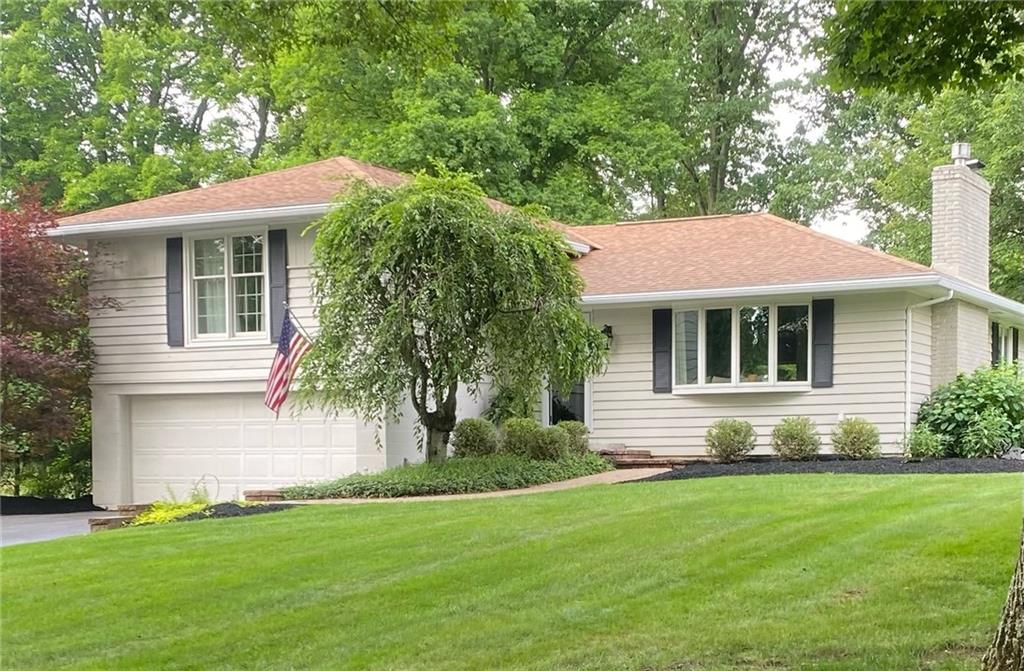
<point x="606" y="478"/>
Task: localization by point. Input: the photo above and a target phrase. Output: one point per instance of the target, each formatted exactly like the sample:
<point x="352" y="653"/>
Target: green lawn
<point x="771" y="572"/>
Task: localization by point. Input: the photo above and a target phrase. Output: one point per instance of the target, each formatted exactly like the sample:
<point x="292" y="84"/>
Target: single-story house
<point x="747" y="316"/>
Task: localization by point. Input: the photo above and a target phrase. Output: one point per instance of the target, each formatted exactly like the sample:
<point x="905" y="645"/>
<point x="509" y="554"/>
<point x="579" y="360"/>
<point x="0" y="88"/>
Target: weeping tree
<point x="425" y="287"/>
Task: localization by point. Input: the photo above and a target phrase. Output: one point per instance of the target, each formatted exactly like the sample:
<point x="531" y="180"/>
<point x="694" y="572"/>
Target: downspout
<point x="910" y="357"/>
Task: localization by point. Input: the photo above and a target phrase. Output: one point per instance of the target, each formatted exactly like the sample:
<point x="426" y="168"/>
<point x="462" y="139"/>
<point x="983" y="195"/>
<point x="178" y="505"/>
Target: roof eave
<point x="186" y="221"/>
<point x="991" y="301"/>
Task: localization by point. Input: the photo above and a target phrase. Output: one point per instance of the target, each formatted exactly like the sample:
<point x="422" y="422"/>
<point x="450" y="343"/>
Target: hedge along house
<point x="745" y="316"/>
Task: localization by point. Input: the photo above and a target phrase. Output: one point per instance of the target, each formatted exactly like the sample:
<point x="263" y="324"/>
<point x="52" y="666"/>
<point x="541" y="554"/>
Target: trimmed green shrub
<point x="552" y="443"/>
<point x="474" y="437"/>
<point x="796" y="438"/>
<point x="923" y="443"/>
<point x="989" y="434"/>
<point x="579" y="436"/>
<point x="519" y="436"/>
<point x="953" y="406"/>
<point x="856" y="438"/>
<point x="456" y="476"/>
<point x="730" y="439"/>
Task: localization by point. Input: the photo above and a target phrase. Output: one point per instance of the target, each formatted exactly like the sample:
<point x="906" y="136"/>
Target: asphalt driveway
<point x="15" y="529"/>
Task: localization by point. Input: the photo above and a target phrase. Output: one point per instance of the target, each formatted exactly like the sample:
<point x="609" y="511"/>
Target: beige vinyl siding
<point x="869" y="381"/>
<point x="131" y="340"/>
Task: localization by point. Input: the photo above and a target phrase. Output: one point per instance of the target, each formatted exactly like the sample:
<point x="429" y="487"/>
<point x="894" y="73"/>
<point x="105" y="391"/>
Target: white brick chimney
<point x="960" y="240"/>
<point x="960" y="199"/>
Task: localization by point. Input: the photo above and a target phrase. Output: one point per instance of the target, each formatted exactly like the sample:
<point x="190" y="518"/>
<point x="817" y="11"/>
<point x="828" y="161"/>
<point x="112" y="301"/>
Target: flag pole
<point x="298" y="324"/>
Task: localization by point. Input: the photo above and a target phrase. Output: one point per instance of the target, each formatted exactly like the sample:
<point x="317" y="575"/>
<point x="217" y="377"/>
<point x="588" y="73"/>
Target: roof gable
<point x="724" y="251"/>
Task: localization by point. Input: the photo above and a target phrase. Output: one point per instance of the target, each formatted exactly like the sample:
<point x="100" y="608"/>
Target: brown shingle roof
<point x="307" y="184"/>
<point x="724" y="251"/>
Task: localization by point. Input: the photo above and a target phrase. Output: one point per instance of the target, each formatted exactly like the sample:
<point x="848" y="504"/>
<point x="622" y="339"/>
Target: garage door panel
<point x="220" y="440"/>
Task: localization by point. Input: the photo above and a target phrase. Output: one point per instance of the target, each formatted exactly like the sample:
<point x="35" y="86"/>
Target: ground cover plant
<point x="455" y="476"/>
<point x="845" y="573"/>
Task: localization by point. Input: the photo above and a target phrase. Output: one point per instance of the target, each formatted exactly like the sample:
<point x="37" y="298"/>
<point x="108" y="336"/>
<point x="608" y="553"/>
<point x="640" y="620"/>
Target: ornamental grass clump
<point x="730" y="439"/>
<point x="796" y="439"/>
<point x="474" y="437"/>
<point x="856" y="438"/>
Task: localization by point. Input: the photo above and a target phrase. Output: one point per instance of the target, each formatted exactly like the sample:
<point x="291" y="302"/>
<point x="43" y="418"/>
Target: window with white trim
<point x="746" y="345"/>
<point x="228" y="286"/>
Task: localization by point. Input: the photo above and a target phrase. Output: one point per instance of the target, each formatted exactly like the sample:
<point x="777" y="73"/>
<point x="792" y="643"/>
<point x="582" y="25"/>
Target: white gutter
<point x="983" y="297"/>
<point x="877" y="283"/>
<point x="207" y="219"/>
<point x="190" y="220"/>
<point x="968" y="292"/>
<point x="907" y="401"/>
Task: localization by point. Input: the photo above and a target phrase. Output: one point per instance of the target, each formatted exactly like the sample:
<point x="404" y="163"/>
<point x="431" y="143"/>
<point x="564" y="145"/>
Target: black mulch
<point x="31" y="505"/>
<point x="219" y="510"/>
<point x="885" y="466"/>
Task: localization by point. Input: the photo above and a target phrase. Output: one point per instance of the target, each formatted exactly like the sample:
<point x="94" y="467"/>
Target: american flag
<point x="291" y="347"/>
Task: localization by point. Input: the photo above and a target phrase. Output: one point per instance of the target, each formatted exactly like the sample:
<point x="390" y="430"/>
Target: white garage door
<point x="230" y="443"/>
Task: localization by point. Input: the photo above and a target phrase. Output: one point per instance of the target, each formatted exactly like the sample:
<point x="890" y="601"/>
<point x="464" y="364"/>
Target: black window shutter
<point x="823" y="318"/>
<point x="277" y="253"/>
<point x="1016" y="345"/>
<point x="661" y="344"/>
<point x="995" y="345"/>
<point x="175" y="295"/>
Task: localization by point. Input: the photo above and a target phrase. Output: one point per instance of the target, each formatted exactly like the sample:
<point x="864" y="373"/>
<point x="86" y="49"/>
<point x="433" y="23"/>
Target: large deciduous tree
<point x="930" y="47"/>
<point x="423" y="288"/>
<point x="45" y="353"/>
<point x="925" y="45"/>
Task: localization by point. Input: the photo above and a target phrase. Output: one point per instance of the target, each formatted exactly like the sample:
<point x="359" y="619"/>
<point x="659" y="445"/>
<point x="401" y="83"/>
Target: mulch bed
<point x="219" y="510"/>
<point x="31" y="505"/>
<point x="885" y="466"/>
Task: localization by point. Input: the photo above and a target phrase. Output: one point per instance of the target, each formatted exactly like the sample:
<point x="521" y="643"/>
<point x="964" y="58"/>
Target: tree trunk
<point x="16" y="481"/>
<point x="1007" y="650"/>
<point x="437" y="446"/>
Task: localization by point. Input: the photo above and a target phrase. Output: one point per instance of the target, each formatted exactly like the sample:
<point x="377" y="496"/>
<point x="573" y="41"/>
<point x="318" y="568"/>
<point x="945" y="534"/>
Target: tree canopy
<point x="45" y="352"/>
<point x="925" y="45"/>
<point x="423" y="288"/>
<point x="594" y="110"/>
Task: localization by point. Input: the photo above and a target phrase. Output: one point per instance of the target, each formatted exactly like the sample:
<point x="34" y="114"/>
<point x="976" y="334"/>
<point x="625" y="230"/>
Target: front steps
<point x="626" y="458"/>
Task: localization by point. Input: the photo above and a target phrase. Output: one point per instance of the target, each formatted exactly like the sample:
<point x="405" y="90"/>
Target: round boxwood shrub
<point x="519" y="436"/>
<point x="989" y="434"/>
<point x="551" y="444"/>
<point x="856" y="438"/>
<point x="923" y="443"/>
<point x="579" y="441"/>
<point x="953" y="407"/>
<point x="474" y="437"/>
<point x="796" y="438"/>
<point x="730" y="439"/>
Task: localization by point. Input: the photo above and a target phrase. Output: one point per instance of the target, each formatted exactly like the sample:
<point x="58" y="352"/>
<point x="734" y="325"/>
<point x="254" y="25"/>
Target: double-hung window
<point x="228" y="287"/>
<point x="748" y="346"/>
